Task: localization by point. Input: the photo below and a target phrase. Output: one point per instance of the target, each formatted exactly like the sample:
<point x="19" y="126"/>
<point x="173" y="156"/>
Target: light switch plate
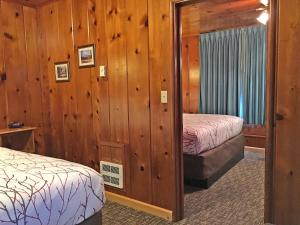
<point x="102" y="71"/>
<point x="164" y="97"/>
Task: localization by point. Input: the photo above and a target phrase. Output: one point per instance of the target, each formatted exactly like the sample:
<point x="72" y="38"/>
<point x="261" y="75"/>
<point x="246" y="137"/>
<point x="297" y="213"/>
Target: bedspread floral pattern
<point x="38" y="190"/>
<point x="202" y="132"/>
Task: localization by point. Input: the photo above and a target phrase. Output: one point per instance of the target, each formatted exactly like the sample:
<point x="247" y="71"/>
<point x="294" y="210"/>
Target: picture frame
<point x="62" y="72"/>
<point x="86" y="56"/>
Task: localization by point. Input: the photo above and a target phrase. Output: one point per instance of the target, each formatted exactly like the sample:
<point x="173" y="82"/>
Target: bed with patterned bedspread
<point x="203" y="132"/>
<point x="39" y="190"/>
<point x="212" y="144"/>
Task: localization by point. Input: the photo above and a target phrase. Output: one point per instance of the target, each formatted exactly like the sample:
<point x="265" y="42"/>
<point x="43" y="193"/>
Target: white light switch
<point x="102" y="71"/>
<point x="164" y="97"/>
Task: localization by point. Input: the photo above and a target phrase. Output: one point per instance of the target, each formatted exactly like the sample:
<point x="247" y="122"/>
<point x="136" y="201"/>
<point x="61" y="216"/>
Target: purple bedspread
<point x="202" y="132"/>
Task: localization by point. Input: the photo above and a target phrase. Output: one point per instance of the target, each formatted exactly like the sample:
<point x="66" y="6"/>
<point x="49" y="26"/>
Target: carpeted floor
<point x="235" y="199"/>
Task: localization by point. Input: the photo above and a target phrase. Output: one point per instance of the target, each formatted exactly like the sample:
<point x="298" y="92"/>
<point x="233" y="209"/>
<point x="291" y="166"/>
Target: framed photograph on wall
<point x="62" y="73"/>
<point x="86" y="55"/>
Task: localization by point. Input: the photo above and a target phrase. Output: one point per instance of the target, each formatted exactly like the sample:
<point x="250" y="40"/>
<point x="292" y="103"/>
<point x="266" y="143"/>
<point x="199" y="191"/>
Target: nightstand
<point x="21" y="139"/>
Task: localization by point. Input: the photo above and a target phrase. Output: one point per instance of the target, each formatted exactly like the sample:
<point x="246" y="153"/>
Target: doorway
<point x="180" y="104"/>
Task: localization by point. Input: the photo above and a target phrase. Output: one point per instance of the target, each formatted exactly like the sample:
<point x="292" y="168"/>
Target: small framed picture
<point x="62" y="73"/>
<point x="86" y="56"/>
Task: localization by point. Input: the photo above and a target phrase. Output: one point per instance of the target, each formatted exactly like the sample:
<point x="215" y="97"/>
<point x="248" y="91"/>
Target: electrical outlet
<point x="164" y="97"/>
<point x="102" y="71"/>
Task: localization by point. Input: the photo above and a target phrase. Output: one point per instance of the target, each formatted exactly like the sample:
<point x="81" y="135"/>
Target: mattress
<point x="203" y="132"/>
<point x="37" y="190"/>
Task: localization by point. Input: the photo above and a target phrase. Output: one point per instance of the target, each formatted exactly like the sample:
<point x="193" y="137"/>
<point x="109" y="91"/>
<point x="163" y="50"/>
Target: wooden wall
<point x="212" y="15"/>
<point x="126" y="107"/>
<point x="21" y="93"/>
<point x="134" y="39"/>
<point x="287" y="156"/>
<point x="190" y="74"/>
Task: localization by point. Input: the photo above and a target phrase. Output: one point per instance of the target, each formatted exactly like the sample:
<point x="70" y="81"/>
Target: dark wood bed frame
<point x="94" y="220"/>
<point x="205" y="169"/>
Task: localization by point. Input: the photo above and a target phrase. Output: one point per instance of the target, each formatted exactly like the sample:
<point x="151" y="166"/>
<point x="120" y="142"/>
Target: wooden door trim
<point x="270" y="119"/>
<point x="271" y="106"/>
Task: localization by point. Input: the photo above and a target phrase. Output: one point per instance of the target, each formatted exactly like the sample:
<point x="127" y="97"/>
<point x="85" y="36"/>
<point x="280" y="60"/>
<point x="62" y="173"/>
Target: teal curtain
<point x="233" y="73"/>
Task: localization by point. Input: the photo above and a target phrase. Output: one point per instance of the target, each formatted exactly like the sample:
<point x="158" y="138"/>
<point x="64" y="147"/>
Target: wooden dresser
<point x="255" y="136"/>
<point x="21" y="139"/>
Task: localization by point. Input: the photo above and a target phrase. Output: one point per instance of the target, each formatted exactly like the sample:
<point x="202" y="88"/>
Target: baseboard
<point x="255" y="150"/>
<point x="141" y="206"/>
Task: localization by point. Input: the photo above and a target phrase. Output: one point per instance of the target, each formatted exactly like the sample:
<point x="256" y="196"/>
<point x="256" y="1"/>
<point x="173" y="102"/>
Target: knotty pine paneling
<point x="185" y="75"/>
<point x="133" y="39"/>
<point x="190" y="74"/>
<point x="287" y="156"/>
<point x="139" y="99"/>
<point x="49" y="16"/>
<point x="86" y="138"/>
<point x="69" y="104"/>
<point x="161" y="78"/>
<point x="15" y="61"/>
<point x="34" y="86"/>
<point x="117" y="65"/>
<point x="3" y="99"/>
<point x="20" y="94"/>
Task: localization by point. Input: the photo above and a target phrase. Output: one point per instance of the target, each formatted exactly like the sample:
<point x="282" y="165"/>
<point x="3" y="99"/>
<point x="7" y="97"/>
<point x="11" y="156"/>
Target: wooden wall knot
<point x="164" y="16"/>
<point x="17" y="14"/>
<point x="8" y="36"/>
<point x="145" y="22"/>
<point x="113" y="11"/>
<point x="129" y="18"/>
<point x="2" y="76"/>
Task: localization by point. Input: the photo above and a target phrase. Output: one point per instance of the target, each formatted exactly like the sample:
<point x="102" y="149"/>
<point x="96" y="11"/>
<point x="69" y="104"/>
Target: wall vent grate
<point x="112" y="174"/>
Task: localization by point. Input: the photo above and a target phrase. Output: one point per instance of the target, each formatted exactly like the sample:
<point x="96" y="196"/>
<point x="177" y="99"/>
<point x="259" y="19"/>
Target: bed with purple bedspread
<point x="39" y="190"/>
<point x="202" y="132"/>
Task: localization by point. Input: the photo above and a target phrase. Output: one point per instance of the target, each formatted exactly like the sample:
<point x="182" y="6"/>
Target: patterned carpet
<point x="235" y="199"/>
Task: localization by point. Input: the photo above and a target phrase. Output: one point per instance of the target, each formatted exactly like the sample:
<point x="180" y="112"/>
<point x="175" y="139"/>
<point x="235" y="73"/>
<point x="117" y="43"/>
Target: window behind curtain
<point x="233" y="73"/>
